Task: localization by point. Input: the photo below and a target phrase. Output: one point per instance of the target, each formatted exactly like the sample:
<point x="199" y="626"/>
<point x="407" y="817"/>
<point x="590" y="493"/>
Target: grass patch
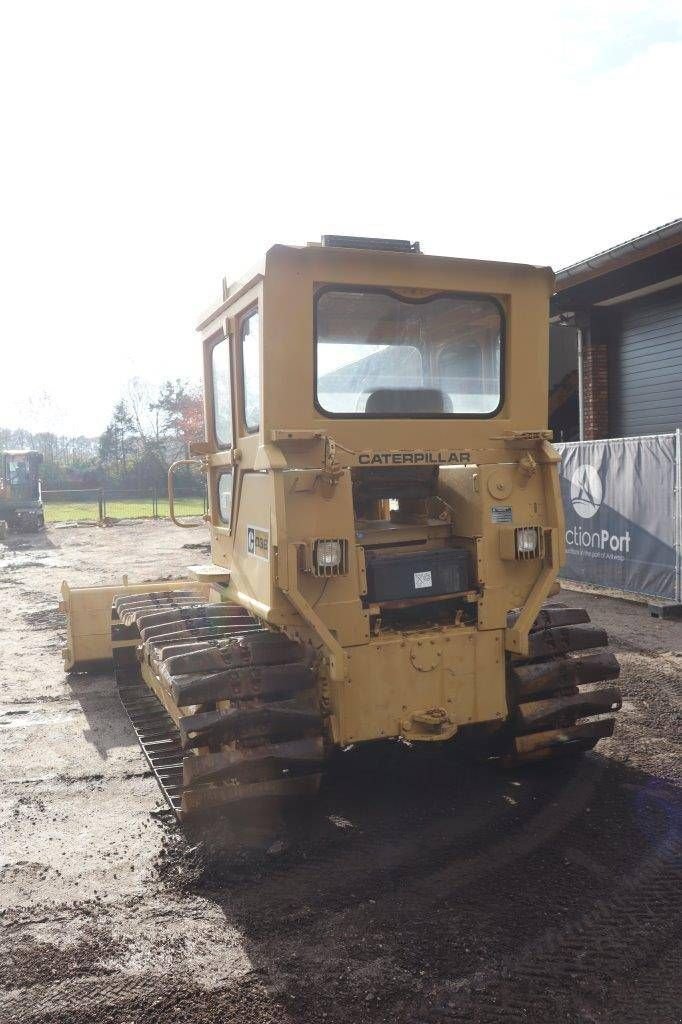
<point x="67" y="511"/>
<point x="120" y="508"/>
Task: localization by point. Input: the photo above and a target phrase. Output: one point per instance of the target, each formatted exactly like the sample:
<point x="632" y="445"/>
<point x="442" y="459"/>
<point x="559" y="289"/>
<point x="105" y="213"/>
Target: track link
<point x="557" y="686"/>
<point x="225" y="710"/>
<point x="158" y="737"/>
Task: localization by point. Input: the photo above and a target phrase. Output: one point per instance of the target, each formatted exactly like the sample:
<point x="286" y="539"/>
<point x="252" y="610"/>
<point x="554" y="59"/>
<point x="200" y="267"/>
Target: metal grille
<point x="538" y="552"/>
<point x="326" y="550"/>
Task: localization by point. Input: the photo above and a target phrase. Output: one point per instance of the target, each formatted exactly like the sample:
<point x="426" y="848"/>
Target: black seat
<point x="402" y="401"/>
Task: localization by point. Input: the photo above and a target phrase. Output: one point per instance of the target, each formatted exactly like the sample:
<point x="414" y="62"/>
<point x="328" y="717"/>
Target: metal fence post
<point x="100" y="506"/>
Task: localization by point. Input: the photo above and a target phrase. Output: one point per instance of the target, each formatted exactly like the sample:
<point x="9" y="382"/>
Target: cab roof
<point x="338" y="247"/>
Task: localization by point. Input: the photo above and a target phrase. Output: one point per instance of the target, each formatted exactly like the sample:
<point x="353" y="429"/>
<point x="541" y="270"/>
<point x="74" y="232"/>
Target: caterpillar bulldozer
<point x="386" y="532"/>
<point x="21" y="506"/>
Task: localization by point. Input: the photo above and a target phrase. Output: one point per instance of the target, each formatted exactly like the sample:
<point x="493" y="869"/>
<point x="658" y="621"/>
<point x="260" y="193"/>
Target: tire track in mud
<point x="430" y="854"/>
<point x="142" y="999"/>
<point x="426" y="871"/>
<point x="395" y="880"/>
<point x="620" y="933"/>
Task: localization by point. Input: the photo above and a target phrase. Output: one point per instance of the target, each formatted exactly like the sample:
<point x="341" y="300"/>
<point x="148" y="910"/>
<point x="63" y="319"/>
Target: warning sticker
<point x="258" y="542"/>
<point x="501" y="514"/>
<point x="422" y="579"/>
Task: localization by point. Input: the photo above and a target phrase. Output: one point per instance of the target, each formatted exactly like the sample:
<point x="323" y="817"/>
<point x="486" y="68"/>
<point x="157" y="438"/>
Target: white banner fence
<point x="623" y="505"/>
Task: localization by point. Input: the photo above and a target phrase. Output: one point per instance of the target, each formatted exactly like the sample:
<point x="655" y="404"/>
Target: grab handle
<point x="171" y="493"/>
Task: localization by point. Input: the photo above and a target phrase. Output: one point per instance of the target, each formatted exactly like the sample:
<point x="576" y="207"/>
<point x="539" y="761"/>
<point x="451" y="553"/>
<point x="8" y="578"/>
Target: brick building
<point x="616" y="340"/>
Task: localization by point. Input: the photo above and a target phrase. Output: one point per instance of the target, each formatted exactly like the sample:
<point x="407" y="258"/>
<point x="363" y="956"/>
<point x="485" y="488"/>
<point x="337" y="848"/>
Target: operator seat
<point x="398" y="401"/>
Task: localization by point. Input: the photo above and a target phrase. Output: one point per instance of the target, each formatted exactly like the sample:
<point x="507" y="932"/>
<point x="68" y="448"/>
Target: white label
<point x="422" y="579"/>
<point x="258" y="542"/>
<point x="501" y="514"/>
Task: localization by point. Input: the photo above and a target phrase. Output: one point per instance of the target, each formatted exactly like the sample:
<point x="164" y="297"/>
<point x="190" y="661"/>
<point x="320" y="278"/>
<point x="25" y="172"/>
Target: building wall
<point x="632" y="367"/>
<point x="645" y="367"/>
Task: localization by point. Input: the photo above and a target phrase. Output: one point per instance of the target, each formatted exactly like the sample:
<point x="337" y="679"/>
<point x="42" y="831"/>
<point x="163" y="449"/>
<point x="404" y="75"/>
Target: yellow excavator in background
<point x="386" y="528"/>
<point x="21" y="506"/>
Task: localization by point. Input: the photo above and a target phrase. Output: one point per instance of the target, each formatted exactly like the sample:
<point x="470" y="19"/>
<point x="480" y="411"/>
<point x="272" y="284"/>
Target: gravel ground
<point x="417" y="889"/>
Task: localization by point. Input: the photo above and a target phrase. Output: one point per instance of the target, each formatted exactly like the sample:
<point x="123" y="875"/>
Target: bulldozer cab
<point x="19" y="476"/>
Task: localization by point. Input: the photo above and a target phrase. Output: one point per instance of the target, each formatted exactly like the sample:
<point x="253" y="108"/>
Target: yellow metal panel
<point x="399" y="675"/>
<point x="255" y="541"/>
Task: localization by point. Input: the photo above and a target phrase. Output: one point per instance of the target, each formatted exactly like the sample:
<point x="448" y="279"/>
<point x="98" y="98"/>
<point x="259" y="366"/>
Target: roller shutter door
<point x="645" y="371"/>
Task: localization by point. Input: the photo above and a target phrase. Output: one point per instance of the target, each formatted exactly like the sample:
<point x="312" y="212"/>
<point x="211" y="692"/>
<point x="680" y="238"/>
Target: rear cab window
<point x="379" y="353"/>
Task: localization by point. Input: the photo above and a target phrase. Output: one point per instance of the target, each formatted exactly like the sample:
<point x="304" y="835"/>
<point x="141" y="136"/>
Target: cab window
<point x="222" y="402"/>
<point x="379" y="353"/>
<point x="250" y="342"/>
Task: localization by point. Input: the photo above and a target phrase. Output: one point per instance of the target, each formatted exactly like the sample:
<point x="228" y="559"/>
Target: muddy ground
<point x="415" y="890"/>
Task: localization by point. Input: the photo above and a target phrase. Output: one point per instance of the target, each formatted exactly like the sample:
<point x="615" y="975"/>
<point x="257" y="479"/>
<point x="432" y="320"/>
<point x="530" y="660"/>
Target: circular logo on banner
<point x="586" y="491"/>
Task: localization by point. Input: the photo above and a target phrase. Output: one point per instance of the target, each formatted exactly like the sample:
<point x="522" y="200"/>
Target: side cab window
<point x="249" y="334"/>
<point x="221" y="385"/>
<point x="222" y="393"/>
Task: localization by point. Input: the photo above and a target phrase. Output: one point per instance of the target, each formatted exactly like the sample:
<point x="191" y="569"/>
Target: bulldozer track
<point x="225" y="710"/>
<point x="558" y="703"/>
<point x="158" y="737"/>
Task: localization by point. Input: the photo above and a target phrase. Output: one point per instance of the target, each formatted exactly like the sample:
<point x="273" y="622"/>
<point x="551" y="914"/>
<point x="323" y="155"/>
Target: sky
<point x="149" y="148"/>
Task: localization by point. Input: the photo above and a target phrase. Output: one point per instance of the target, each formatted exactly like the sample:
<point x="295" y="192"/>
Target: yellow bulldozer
<point x="386" y="529"/>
